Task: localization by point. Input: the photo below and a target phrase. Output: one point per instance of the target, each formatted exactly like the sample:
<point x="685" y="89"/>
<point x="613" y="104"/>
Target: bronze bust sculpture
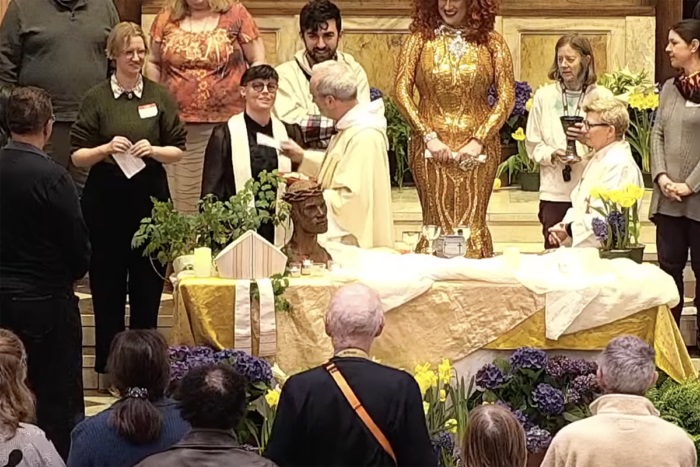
<point x="310" y="217"/>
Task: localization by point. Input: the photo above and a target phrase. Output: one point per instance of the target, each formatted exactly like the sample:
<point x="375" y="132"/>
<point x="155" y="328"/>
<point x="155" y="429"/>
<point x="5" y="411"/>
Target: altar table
<point x="451" y="320"/>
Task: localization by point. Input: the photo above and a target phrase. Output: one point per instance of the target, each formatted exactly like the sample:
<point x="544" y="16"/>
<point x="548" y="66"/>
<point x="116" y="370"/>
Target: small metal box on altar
<point x="450" y="246"/>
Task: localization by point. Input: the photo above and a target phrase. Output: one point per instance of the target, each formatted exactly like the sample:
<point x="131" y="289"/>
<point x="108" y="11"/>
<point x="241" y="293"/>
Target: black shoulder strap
<point x="303" y="70"/>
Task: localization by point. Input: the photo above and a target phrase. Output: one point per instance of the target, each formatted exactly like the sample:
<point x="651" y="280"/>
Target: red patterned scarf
<point x="689" y="87"/>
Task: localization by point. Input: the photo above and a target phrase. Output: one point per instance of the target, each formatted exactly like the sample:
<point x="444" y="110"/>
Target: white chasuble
<point x="242" y="172"/>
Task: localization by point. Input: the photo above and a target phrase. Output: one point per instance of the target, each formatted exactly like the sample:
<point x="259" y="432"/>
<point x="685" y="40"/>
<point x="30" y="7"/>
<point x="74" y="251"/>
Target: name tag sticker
<point x="691" y="104"/>
<point x="148" y="110"/>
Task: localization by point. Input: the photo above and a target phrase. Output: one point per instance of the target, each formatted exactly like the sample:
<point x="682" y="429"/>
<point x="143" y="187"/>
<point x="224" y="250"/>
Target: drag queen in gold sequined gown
<point x="451" y="59"/>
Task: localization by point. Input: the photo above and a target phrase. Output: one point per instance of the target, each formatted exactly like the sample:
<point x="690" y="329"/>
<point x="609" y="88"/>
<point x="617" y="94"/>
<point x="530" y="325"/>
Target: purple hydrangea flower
<point x="523" y="92"/>
<point x="442" y="442"/>
<point x="538" y="439"/>
<point x="600" y="229"/>
<point x="548" y="399"/>
<point x="253" y="368"/>
<point x="522" y="418"/>
<point x="584" y="388"/>
<point x="490" y="377"/>
<point x="375" y="94"/>
<point x="528" y="358"/>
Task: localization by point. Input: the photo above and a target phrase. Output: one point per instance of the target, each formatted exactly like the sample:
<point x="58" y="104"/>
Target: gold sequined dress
<point x="452" y="76"/>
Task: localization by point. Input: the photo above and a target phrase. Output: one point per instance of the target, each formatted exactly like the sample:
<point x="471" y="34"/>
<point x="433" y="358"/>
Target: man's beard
<point x="318" y="57"/>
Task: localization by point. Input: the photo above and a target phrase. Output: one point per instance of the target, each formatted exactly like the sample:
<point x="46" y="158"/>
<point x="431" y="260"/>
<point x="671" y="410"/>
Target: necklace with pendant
<point x="457" y="46"/>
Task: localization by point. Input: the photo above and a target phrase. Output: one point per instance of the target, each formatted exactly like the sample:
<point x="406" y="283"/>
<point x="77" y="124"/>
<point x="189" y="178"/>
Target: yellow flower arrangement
<point x="445" y="371"/>
<point x="620" y="227"/>
<point x="643" y="104"/>
<point x="451" y="425"/>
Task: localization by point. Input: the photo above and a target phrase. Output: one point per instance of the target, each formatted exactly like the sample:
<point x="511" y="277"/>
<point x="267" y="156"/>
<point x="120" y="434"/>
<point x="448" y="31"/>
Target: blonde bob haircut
<point x="612" y="112"/>
<point x="120" y="36"/>
<point x="494" y="437"/>
<point x="583" y="46"/>
<point x="16" y="400"/>
<point x="179" y="8"/>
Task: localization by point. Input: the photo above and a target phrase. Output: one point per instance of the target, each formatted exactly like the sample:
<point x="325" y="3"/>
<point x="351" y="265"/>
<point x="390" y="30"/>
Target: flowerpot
<point x="529" y="181"/>
<point x="535" y="459"/>
<point x="637" y="253"/>
<point x="648" y="181"/>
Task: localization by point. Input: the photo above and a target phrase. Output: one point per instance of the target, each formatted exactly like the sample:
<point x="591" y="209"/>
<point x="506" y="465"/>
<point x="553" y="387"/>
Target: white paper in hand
<point x="264" y="140"/>
<point x="130" y="164"/>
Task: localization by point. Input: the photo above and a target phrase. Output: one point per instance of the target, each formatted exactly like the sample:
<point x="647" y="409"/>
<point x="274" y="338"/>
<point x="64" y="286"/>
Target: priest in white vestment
<point x="233" y="155"/>
<point x="320" y="23"/>
<point x="354" y="170"/>
<point x="611" y="167"/>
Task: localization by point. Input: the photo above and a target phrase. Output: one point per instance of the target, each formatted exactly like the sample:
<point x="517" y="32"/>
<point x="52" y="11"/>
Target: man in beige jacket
<point x="354" y="170"/>
<point x="625" y="429"/>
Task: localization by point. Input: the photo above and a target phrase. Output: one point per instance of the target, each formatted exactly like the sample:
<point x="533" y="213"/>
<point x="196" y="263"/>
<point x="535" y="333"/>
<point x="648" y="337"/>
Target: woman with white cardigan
<point x="575" y="74"/>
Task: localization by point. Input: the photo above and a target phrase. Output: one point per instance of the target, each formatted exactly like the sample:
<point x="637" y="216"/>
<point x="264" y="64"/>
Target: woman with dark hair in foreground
<point x="143" y="421"/>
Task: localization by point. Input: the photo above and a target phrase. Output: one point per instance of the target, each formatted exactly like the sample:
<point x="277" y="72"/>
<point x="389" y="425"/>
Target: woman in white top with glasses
<point x="574" y="73"/>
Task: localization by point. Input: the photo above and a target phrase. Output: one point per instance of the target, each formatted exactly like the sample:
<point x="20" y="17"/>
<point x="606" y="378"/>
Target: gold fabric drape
<point x="451" y="320"/>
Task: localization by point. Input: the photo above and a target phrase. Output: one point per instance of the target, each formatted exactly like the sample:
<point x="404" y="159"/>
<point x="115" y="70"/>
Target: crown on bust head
<point x="300" y="190"/>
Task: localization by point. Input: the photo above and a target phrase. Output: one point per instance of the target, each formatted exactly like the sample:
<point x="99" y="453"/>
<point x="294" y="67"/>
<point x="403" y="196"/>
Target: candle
<point x="512" y="256"/>
<point x="202" y="262"/>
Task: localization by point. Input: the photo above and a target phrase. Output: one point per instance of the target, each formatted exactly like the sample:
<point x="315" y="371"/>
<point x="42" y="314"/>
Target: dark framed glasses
<point x="258" y="86"/>
<point x="590" y="125"/>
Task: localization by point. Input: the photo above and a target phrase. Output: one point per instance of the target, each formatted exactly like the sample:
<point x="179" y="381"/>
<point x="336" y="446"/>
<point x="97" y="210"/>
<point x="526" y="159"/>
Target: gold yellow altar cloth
<point x="451" y="320"/>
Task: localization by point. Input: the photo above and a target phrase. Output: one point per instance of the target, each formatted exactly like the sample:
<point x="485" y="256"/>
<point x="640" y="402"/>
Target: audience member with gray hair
<point x="354" y="170"/>
<point x="625" y="428"/>
<point x="315" y="423"/>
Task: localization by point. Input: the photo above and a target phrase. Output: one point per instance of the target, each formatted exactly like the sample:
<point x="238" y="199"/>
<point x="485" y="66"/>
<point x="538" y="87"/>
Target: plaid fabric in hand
<point x="317" y="128"/>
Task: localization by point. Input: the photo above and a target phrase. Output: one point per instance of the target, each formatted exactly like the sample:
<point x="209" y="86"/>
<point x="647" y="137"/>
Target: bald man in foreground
<point x="315" y="424"/>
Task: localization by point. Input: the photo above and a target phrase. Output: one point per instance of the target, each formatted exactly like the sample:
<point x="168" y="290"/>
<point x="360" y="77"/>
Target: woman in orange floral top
<point x="199" y="51"/>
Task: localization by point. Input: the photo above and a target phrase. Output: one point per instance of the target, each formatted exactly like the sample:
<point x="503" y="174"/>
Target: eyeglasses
<point x="258" y="87"/>
<point x="590" y="125"/>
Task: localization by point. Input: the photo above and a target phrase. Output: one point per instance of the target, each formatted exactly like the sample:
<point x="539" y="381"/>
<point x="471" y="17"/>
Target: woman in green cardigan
<point x="127" y="128"/>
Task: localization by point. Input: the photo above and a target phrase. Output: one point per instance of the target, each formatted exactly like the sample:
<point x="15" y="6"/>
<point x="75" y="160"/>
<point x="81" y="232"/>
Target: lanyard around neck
<point x="565" y="101"/>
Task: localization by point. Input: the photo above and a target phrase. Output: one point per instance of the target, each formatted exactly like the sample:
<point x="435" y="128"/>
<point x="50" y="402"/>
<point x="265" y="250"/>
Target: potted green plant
<point x="168" y="234"/>
<point x="398" y="132"/>
<point x="520" y="166"/>
<point x="619" y="229"/>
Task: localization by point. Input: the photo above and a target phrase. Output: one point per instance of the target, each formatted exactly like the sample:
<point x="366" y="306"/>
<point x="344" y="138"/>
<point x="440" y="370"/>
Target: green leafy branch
<point x="169" y="234"/>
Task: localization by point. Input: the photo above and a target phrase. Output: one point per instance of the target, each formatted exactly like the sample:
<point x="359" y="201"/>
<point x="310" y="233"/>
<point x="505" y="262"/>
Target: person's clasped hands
<point x="120" y="144"/>
<point x="441" y="153"/>
<point x="673" y="190"/>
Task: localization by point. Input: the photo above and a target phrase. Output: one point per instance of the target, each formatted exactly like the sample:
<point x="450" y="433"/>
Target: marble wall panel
<point x="640" y="43"/>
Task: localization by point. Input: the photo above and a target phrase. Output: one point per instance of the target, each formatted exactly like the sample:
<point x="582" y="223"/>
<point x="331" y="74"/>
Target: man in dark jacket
<point x="212" y="398"/>
<point x="44" y="249"/>
<point x="315" y="424"/>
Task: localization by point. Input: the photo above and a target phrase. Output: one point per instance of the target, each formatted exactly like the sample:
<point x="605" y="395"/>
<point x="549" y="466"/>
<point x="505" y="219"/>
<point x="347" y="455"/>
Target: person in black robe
<point x="233" y="154"/>
<point x="315" y="425"/>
